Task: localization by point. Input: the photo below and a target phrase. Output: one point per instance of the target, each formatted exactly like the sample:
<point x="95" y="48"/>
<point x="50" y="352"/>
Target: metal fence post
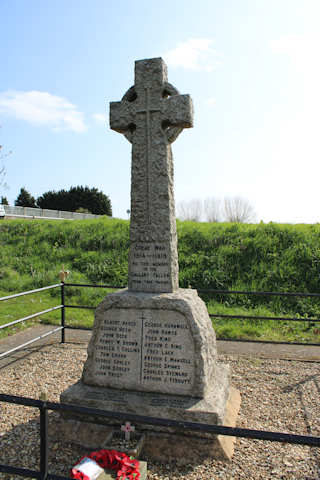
<point x="44" y="441"/>
<point x="62" y="313"/>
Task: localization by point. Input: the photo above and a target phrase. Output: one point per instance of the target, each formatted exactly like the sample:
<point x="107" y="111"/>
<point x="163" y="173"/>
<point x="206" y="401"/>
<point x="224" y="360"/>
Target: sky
<point x="251" y="67"/>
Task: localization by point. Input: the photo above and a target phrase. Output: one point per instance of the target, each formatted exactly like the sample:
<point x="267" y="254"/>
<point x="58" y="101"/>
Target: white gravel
<point x="277" y="395"/>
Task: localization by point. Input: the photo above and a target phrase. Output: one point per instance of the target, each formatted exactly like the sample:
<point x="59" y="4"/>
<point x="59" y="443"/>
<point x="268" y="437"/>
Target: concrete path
<point x="306" y="353"/>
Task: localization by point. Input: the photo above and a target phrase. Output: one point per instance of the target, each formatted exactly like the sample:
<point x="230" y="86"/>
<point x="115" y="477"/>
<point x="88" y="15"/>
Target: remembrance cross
<point x="151" y="115"/>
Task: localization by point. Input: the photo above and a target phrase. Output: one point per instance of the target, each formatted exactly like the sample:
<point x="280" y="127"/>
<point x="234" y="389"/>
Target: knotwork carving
<point x="171" y="132"/>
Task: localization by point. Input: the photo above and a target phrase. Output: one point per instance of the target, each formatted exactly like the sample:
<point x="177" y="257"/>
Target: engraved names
<point x="140" y="349"/>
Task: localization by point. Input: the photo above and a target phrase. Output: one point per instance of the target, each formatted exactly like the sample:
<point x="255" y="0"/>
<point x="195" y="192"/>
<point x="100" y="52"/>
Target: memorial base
<point x="189" y="449"/>
<point x="154" y="355"/>
<point x="162" y="443"/>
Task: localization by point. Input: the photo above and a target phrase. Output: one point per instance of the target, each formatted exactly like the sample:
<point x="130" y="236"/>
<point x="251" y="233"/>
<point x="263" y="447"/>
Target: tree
<point x="190" y="210"/>
<point x="86" y="198"/>
<point x="212" y="209"/>
<point x="4" y="201"/>
<point x="3" y="170"/>
<point x="2" y="173"/>
<point x="238" y="210"/>
<point x="232" y="209"/>
<point x="25" y="199"/>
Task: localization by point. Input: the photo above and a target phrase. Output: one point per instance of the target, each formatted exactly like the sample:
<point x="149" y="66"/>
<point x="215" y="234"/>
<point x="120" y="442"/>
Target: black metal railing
<point x="224" y="292"/>
<point x="34" y="315"/>
<point x="63" y="325"/>
<point x="260" y="317"/>
<point x="44" y="406"/>
<point x="181" y="426"/>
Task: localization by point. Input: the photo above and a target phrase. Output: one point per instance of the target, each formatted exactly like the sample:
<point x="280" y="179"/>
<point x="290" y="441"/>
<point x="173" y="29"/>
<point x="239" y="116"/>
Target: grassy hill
<point x="264" y="257"/>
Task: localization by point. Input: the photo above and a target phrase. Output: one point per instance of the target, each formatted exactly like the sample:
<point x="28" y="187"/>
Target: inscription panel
<point x="118" y="397"/>
<point x="142" y="350"/>
<point x="149" y="267"/>
<point x="117" y="349"/>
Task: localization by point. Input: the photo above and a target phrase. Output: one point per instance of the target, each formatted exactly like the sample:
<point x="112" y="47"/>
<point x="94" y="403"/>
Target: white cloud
<point x="42" y="108"/>
<point x="194" y="54"/>
<point x="100" y="118"/>
<point x="211" y="102"/>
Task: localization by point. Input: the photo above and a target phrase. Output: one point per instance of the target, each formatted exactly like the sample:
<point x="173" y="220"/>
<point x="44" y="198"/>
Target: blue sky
<point x="252" y="69"/>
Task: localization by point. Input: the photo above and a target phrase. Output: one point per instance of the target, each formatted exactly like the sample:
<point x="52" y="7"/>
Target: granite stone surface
<point x="153" y="349"/>
<point x="152" y="342"/>
<point x="163" y="444"/>
<point x="208" y="410"/>
<point x="151" y="115"/>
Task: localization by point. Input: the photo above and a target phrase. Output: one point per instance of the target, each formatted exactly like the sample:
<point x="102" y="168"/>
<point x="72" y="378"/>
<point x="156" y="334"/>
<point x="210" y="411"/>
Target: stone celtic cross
<point x="151" y="115"/>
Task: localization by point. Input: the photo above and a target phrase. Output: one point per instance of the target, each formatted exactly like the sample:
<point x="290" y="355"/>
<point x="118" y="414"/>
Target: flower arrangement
<point x="127" y="468"/>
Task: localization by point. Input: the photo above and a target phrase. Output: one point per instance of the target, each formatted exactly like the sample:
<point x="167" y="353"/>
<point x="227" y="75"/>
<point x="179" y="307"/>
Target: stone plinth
<point x="152" y="342"/>
<point x="165" y="444"/>
<point x="155" y="355"/>
<point x="147" y="343"/>
<point x="210" y="409"/>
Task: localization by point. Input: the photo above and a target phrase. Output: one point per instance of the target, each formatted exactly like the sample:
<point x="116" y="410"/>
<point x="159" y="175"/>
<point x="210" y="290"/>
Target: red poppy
<point x="126" y="467"/>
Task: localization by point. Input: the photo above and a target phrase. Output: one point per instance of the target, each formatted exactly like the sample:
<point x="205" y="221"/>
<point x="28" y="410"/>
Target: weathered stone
<point x="194" y="449"/>
<point x="165" y="444"/>
<point x="209" y="410"/>
<point x="91" y="436"/>
<point x="151" y="115"/>
<point x="152" y="342"/>
<point x="153" y="348"/>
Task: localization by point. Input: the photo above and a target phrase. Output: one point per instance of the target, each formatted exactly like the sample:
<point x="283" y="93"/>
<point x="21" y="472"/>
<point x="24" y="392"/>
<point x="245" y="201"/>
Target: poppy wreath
<point x="126" y="468"/>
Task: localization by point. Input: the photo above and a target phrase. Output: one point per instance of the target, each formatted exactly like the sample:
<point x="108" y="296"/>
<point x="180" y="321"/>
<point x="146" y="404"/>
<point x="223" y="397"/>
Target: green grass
<point x="264" y="257"/>
<point x="24" y="306"/>
<point x="252" y="329"/>
<point x="304" y="331"/>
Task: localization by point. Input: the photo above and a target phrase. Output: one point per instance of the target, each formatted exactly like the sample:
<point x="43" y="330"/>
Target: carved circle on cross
<point x="170" y="132"/>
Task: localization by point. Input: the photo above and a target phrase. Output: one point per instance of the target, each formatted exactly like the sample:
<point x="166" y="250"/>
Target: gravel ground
<point x="277" y="395"/>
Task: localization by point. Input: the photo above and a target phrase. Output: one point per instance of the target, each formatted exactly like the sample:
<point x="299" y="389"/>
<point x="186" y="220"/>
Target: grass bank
<point x="264" y="257"/>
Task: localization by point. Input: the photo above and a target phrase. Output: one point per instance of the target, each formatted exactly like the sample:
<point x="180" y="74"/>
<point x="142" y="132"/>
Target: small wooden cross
<point x="127" y="428"/>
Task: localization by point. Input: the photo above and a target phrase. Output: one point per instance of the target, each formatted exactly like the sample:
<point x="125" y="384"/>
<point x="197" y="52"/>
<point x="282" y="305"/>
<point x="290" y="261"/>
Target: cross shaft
<point x="151" y="115"/>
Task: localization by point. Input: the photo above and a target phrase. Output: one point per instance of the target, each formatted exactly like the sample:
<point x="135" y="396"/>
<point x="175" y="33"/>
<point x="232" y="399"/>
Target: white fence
<point x="30" y="212"/>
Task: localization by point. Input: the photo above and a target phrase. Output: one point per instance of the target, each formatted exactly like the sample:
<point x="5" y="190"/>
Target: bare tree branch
<point x="232" y="209"/>
<point x="212" y="209"/>
<point x="189" y="210"/>
<point x="238" y="210"/>
<point x="3" y="171"/>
